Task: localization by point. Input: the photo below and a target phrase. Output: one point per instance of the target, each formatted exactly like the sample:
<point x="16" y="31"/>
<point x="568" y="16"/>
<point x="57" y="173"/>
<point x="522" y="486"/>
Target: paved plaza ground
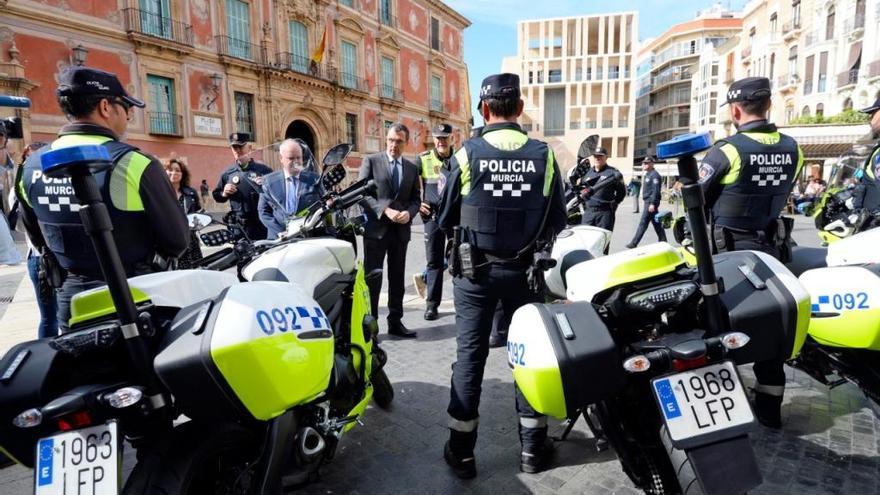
<point x="829" y="444"/>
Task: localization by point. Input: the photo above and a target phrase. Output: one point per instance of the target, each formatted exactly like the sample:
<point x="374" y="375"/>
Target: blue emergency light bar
<point x="685" y="144"/>
<point x="15" y="101"/>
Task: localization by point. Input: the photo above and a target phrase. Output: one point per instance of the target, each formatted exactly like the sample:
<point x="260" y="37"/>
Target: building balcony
<point x="791" y="31"/>
<point x="390" y="95"/>
<point x="787" y="83"/>
<point x="874" y="69"/>
<point x="232" y="49"/>
<point x="146" y="27"/>
<point x="388" y="20"/>
<point x="848" y="78"/>
<point x="438" y="108"/>
<point x="661" y="82"/>
<point x="746" y="54"/>
<point x="607" y="123"/>
<point x="352" y="82"/>
<point x="305" y="66"/>
<point x="854" y="27"/>
<point x="165" y="124"/>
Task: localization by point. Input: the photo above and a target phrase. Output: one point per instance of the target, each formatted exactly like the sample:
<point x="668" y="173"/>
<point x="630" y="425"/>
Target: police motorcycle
<point x="651" y="345"/>
<point x="220" y="386"/>
<point x="834" y="214"/>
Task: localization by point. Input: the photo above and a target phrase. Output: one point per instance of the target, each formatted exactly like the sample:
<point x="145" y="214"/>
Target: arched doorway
<point x="300" y="129"/>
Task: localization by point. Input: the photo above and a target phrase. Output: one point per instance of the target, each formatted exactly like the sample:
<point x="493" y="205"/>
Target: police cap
<point x="600" y="151"/>
<point x="748" y="89"/>
<point x="873" y="108"/>
<point x="442" y="130"/>
<point x="239" y="139"/>
<point x="85" y="81"/>
<point x="499" y="86"/>
<point x="648" y="159"/>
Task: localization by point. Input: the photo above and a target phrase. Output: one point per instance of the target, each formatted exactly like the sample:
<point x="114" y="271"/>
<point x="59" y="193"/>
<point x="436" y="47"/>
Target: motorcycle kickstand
<point x="598" y="434"/>
<point x="569" y="425"/>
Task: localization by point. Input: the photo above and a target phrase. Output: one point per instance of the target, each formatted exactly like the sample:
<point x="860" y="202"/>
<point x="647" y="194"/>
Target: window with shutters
<point x="808" y="74"/>
<point x="554" y="112"/>
<point x="299" y="46"/>
<point x="796" y="13"/>
<point x="386" y="16"/>
<point x="238" y="29"/>
<point x="823" y="72"/>
<point x="436" y="94"/>
<point x="163" y="118"/>
<point x="348" y="60"/>
<point x="156" y="18"/>
<point x="435" y="34"/>
<point x="351" y="130"/>
<point x="244" y="114"/>
<point x="387" y="77"/>
<point x="829" y="24"/>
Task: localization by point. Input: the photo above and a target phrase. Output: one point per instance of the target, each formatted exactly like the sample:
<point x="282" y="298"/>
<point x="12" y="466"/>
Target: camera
<point x="11" y="126"/>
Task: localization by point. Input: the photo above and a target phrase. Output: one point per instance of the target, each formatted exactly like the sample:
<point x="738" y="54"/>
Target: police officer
<point x="651" y="186"/>
<point x="434" y="169"/>
<point x="502" y="186"/>
<point x="603" y="192"/>
<point x="746" y="180"/>
<point x="241" y="185"/>
<point x="146" y="216"/>
<point x="867" y="193"/>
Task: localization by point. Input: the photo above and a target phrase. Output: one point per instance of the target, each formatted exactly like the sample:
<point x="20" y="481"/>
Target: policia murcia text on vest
<point x="503" y="193"/>
<point x="147" y="219"/>
<point x="746" y="180"/>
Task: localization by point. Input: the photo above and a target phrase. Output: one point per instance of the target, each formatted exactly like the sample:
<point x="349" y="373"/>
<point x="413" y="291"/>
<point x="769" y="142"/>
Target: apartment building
<point x="577" y="76"/>
<point x="669" y="63"/>
<point x="326" y="71"/>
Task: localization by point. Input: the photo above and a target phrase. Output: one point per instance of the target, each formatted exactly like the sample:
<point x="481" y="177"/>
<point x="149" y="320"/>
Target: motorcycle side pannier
<point x="254" y="352"/>
<point x="766" y="302"/>
<point x="563" y="357"/>
<point x="844" y="305"/>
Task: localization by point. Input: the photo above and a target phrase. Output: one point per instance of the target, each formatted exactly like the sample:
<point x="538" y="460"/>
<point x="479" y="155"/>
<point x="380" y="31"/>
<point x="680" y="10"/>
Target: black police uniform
<point x="499" y="187"/>
<point x="146" y="217"/>
<point x="246" y="199"/>
<point x="651" y="186"/>
<point x="603" y="196"/>
<point x="867" y="192"/>
<point x="435" y="172"/>
<point x="746" y="180"/>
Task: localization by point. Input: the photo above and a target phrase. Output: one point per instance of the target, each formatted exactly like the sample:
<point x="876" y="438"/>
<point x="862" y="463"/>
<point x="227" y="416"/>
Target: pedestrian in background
<point x="605" y="192"/>
<point x="205" y="193"/>
<point x="653" y="183"/>
<point x="635" y="187"/>
<point x="178" y="175"/>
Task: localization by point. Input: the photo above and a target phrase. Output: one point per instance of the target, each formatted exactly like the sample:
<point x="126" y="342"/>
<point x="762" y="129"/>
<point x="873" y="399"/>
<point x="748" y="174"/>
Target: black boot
<point x="768" y="409"/>
<point x="537" y="449"/>
<point x="459" y="453"/>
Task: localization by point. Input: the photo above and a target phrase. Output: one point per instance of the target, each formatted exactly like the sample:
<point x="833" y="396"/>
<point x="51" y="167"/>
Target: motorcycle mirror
<point x="679" y="229"/>
<point x="333" y="176"/>
<point x="337" y="154"/>
<point x="198" y="220"/>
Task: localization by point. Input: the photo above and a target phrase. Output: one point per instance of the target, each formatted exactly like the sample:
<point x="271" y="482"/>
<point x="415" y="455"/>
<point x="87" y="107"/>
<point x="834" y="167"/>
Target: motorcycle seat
<point x="573" y="258"/>
<point x="806" y="258"/>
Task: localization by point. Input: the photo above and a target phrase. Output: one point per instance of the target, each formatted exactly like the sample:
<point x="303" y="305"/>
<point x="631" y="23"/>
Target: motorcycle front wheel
<point x="198" y="459"/>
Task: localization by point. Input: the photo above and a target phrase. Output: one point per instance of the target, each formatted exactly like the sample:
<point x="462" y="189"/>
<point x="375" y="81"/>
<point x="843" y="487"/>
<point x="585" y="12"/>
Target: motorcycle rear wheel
<point x="198" y="460"/>
<point x="383" y="392"/>
<point x="684" y="471"/>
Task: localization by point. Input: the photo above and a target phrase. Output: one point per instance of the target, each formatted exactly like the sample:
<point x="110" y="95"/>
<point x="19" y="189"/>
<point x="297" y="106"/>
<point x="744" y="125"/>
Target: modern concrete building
<point x="209" y="68"/>
<point x="671" y="61"/>
<point x="577" y="76"/>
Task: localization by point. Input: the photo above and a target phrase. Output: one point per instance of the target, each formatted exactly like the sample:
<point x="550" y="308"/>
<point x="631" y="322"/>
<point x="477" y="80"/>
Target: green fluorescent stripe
<point x="549" y="173"/>
<point x="869" y="170"/>
<point x="506" y="139"/>
<point x="800" y="164"/>
<point x="125" y="182"/>
<point x="732" y="155"/>
<point x="464" y="166"/>
<point x="763" y="137"/>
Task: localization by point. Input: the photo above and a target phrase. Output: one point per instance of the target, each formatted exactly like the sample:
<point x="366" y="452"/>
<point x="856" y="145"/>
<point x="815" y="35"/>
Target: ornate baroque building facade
<point x="209" y="68"/>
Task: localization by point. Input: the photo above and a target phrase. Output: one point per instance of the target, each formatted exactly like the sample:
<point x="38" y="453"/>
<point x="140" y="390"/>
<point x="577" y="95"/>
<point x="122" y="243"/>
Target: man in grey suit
<point x="390" y="214"/>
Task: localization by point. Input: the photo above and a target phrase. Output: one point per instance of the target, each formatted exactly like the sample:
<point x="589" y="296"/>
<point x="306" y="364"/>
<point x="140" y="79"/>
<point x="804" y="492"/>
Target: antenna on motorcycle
<point x="684" y="148"/>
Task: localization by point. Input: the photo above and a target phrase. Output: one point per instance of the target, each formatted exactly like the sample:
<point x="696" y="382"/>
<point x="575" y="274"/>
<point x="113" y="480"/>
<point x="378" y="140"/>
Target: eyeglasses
<point x="124" y="104"/>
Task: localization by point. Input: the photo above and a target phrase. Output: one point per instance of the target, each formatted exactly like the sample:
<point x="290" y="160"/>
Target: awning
<point x="820" y="142"/>
<point x="855" y="55"/>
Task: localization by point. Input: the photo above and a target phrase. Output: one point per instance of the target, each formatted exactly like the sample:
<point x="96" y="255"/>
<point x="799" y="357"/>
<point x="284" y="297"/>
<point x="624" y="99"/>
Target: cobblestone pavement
<point x="829" y="443"/>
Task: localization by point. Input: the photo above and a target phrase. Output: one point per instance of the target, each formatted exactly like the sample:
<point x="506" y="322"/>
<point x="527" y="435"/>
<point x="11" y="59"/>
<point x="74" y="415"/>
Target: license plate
<point x="704" y="403"/>
<point x="79" y="462"/>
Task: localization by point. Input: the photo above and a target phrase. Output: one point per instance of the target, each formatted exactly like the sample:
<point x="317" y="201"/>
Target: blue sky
<point x="492" y="34"/>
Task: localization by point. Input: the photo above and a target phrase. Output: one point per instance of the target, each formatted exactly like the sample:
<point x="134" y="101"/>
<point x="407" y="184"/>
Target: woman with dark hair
<point x="188" y="197"/>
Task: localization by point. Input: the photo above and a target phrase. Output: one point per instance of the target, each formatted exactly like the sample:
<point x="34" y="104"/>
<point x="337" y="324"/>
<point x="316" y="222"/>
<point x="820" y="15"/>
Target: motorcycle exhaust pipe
<point x="310" y="444"/>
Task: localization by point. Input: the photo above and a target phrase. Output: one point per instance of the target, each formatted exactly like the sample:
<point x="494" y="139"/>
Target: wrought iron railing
<point x="387" y="19"/>
<point x="241" y="49"/>
<point x="438" y="106"/>
<point x="157" y="26"/>
<point x="853" y="23"/>
<point x="389" y="92"/>
<point x="848" y="78"/>
<point x="352" y="81"/>
<point x="165" y="123"/>
<point x="304" y="65"/>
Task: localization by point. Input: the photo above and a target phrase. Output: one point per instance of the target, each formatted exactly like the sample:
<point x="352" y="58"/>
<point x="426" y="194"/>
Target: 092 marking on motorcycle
<point x="81" y="461"/>
<point x="703" y="402"/>
<point x="840" y="302"/>
<point x="289" y="319"/>
<point x="516" y="354"/>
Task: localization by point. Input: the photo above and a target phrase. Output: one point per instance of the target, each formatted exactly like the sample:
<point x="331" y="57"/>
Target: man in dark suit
<point x="390" y="215"/>
<point x="288" y="191"/>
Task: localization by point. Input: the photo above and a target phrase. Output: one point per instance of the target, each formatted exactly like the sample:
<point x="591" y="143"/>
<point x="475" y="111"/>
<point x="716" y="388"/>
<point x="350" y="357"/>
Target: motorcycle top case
<point x="253" y="352"/>
<point x="845" y="306"/>
<point x="563" y="357"/>
<point x="766" y="302"/>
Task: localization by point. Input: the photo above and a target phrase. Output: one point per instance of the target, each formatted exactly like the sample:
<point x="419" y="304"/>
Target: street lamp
<point x="79" y="55"/>
<point x="216" y="79"/>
